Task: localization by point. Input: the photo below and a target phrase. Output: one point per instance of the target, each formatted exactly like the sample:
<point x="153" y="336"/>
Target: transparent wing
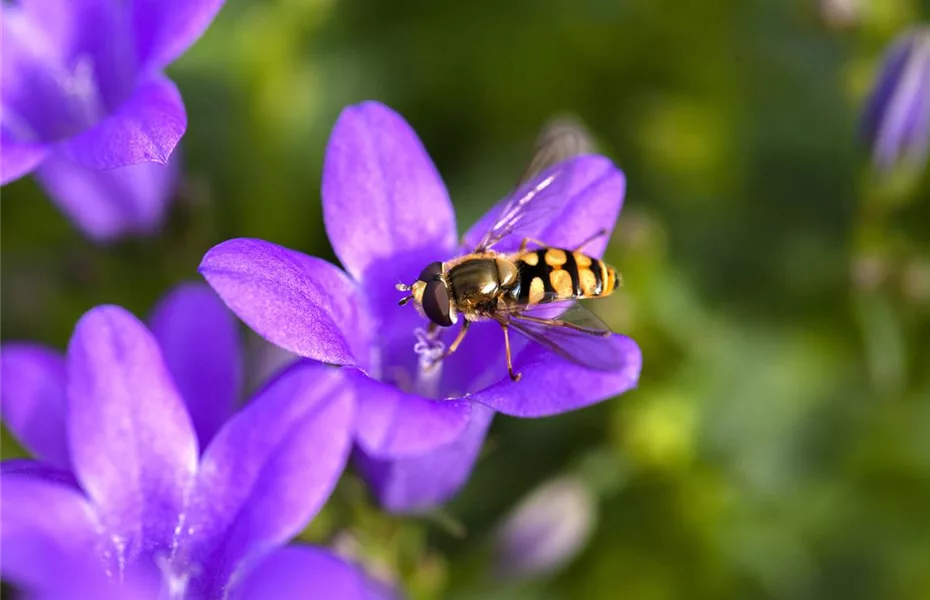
<point x="574" y="332"/>
<point x="559" y="140"/>
<point x="526" y="207"/>
<point x="539" y="192"/>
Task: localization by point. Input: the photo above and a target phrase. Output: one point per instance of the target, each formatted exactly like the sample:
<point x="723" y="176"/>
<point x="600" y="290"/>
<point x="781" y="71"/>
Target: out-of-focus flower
<point x="388" y="215"/>
<point x="120" y="502"/>
<point x="546" y="530"/>
<point x="896" y="120"/>
<point x="85" y="104"/>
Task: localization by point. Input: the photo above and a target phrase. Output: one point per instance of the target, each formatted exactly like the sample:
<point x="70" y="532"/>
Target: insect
<point x="532" y="291"/>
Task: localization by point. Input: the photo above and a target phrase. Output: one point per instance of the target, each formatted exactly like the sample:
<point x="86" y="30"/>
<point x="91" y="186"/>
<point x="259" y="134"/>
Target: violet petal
<point x="19" y="158"/>
<point x="310" y="573"/>
<point x="382" y="196"/>
<point x="132" y="443"/>
<point x="200" y="342"/>
<point x="553" y="385"/>
<point x="48" y="528"/>
<point x="65" y="21"/>
<point x="298" y="302"/>
<point x="112" y="203"/>
<point x="38" y="469"/>
<point x="32" y="399"/>
<point x="268" y="471"/>
<point x="478" y="362"/>
<point x="392" y="423"/>
<point x="36" y="107"/>
<point x="418" y="483"/>
<point x="165" y="29"/>
<point x="145" y="128"/>
<point x="92" y="47"/>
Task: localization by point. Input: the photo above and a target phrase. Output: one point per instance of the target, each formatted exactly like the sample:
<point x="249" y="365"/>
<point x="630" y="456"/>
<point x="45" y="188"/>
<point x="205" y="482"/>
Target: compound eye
<point x="431" y="272"/>
<point x="436" y="303"/>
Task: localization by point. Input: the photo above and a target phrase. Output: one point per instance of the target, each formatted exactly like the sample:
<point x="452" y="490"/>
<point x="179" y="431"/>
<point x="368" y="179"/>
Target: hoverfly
<point x="531" y="291"/>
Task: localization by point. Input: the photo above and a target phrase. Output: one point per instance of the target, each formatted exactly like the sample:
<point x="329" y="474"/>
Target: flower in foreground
<point x="120" y="502"/>
<point x="388" y="215"/>
<point x="86" y="106"/>
<point x="896" y="120"/>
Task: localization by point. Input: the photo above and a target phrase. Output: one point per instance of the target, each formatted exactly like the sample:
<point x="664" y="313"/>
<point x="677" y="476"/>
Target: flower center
<point x="114" y="554"/>
<point x="429" y="351"/>
<point x="62" y="102"/>
<point x="62" y="85"/>
<point x="82" y="93"/>
<point x="174" y="577"/>
<point x="426" y="379"/>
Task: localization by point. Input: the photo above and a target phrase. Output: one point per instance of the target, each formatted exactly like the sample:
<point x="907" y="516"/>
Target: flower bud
<point x="546" y="530"/>
<point x="896" y="121"/>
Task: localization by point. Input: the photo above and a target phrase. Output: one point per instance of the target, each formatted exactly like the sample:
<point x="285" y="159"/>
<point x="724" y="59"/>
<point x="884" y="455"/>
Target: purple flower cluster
<point x="387" y="214"/>
<point x="149" y="480"/>
<point x="87" y="107"/>
<point x="148" y="484"/>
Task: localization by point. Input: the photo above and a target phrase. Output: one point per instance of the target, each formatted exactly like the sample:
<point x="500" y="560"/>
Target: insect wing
<point x="575" y="333"/>
<point x="521" y="214"/>
<point x="561" y="139"/>
<point x="540" y="194"/>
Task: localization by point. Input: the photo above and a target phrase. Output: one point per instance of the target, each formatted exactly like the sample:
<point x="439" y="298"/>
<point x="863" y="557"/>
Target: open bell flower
<point x="896" y="120"/>
<point x="387" y="214"/>
<point x="146" y="483"/>
<point x="85" y="104"/>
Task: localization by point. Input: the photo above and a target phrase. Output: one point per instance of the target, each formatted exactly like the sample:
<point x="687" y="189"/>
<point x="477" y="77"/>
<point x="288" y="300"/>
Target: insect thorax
<point x="477" y="283"/>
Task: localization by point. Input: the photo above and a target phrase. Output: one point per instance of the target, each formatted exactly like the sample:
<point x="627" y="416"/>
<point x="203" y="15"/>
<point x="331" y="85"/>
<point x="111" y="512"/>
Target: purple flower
<point x="86" y="106"/>
<point x="121" y="502"/>
<point x="546" y="530"/>
<point x="896" y="121"/>
<point x="388" y="215"/>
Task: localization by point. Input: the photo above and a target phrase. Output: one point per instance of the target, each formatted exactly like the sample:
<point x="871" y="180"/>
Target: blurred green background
<point x="778" y="445"/>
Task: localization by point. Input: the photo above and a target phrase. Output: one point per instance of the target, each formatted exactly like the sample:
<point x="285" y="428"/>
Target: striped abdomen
<point x="549" y="274"/>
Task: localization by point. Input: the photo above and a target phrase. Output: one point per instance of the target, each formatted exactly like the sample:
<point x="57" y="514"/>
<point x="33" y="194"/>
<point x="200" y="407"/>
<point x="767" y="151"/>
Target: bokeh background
<point x="778" y="445"/>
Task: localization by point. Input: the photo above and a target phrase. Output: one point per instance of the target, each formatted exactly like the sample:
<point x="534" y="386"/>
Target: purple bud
<point x="896" y="121"/>
<point x="546" y="530"/>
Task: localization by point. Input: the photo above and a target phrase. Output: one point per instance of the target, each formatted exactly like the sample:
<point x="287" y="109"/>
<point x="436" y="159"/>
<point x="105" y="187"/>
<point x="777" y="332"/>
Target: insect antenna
<point x="403" y="287"/>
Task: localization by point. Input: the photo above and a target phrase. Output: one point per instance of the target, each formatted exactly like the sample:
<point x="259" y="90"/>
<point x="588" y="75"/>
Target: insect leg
<point x="527" y="241"/>
<point x="513" y="376"/>
<point x="560" y="323"/>
<point x="458" y="339"/>
<point x="600" y="233"/>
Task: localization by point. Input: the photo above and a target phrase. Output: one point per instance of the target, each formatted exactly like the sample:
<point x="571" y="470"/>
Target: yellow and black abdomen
<point x="550" y="274"/>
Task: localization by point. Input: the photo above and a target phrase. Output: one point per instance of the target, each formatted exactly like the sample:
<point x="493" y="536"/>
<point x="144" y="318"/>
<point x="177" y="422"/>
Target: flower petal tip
<point x="300" y="303"/>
